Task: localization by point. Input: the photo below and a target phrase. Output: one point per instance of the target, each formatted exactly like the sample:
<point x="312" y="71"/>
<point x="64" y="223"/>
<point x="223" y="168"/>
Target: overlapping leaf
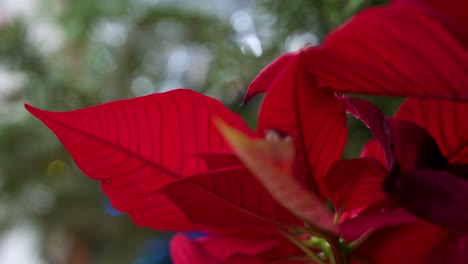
<point x="224" y="250"/>
<point x="312" y="117"/>
<point x="354" y="184"/>
<point x="410" y="243"/>
<point x="451" y="13"/>
<point x="273" y="164"/>
<point x="142" y="152"/>
<point x="391" y="51"/>
<point x="445" y="120"/>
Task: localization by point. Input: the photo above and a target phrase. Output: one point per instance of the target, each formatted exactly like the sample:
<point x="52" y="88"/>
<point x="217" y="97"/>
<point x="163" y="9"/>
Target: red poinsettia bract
<point x="260" y="195"/>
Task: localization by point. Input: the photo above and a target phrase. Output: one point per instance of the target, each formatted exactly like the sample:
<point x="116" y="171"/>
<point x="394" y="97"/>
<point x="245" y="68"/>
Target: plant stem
<point x="301" y="245"/>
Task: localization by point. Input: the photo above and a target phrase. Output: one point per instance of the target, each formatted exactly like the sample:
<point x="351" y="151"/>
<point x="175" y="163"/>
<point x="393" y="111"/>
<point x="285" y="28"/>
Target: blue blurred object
<point x="109" y="209"/>
<point x="155" y="251"/>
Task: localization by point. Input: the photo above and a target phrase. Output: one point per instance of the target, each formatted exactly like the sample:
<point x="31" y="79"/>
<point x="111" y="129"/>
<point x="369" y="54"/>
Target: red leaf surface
<point x="359" y="226"/>
<point x="374" y="150"/>
<point x="273" y="164"/>
<point x="354" y="184"/>
<point x="414" y="147"/>
<point x="311" y="116"/>
<point x="453" y="248"/>
<point x="141" y="151"/>
<point x="437" y="196"/>
<point x="445" y="120"/>
<point x="268" y="76"/>
<point x="375" y="120"/>
<point x="218" y="250"/>
<point x="391" y="51"/>
<point x="451" y="13"/>
<point x="408" y="244"/>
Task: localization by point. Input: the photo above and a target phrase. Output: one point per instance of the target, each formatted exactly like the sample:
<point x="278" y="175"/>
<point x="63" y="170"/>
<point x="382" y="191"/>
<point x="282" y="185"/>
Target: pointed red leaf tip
<point x="391" y="51"/>
<point x="138" y="147"/>
<point x="375" y="120"/>
<point x="223" y="250"/>
<point x="313" y="117"/>
<point x="451" y="13"/>
<point x="272" y="162"/>
<point x="354" y="184"/>
<point x="268" y="76"/>
<point x="446" y="122"/>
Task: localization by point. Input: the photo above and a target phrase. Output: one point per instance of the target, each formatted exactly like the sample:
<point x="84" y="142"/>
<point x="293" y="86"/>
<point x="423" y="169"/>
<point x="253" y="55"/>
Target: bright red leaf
<point x="313" y="117"/>
<point x="391" y="51"/>
<point x="142" y="152"/>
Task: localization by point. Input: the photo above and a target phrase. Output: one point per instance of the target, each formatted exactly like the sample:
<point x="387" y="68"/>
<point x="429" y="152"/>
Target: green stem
<point x="301" y="245"/>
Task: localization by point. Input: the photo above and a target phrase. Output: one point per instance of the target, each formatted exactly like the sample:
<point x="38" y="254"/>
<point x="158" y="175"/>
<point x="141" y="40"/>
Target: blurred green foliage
<point x="119" y="49"/>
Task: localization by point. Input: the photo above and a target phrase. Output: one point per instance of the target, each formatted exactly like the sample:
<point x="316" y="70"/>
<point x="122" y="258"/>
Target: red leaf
<point x="391" y="51"/>
<point x="354" y="184"/>
<point x="218" y="250"/>
<point x="311" y="116"/>
<point x="445" y="120"/>
<point x="375" y="120"/>
<point x="268" y="76"/>
<point x="374" y="150"/>
<point x="356" y="227"/>
<point x="138" y="146"/>
<point x="453" y="249"/>
<point x="437" y="196"/>
<point x="230" y="200"/>
<point x="409" y="244"/>
<point x="451" y="13"/>
<point x="273" y="165"/>
<point x="414" y="147"/>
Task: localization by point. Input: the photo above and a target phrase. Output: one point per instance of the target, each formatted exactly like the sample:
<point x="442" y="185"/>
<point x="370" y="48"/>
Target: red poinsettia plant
<point x="181" y="161"/>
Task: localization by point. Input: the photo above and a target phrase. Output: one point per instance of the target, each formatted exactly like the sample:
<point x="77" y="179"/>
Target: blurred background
<point x="64" y="54"/>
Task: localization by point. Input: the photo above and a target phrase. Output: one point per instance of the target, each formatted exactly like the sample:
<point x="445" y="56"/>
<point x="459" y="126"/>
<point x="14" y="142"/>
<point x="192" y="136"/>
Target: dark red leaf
<point x="451" y="13"/>
<point x="218" y="250"/>
<point x="354" y="184"/>
<point x="358" y="226"/>
<point x="312" y="117"/>
<point x="453" y="249"/>
<point x="391" y="51"/>
<point x="437" y="196"/>
<point x="445" y="120"/>
<point x="137" y="147"/>
<point x="408" y="244"/>
<point x="375" y="120"/>
<point x="414" y="147"/>
<point x="268" y="76"/>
